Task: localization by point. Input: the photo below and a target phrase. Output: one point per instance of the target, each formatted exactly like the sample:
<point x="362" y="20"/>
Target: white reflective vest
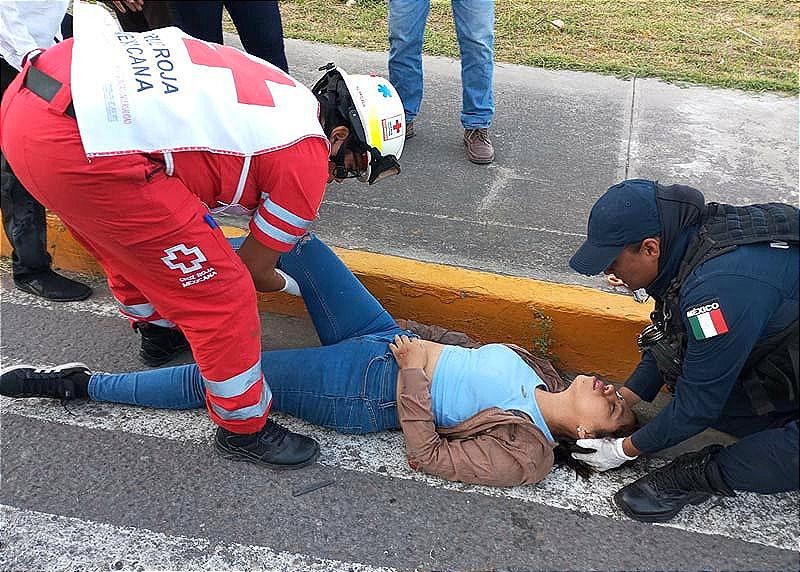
<point x="164" y="91"/>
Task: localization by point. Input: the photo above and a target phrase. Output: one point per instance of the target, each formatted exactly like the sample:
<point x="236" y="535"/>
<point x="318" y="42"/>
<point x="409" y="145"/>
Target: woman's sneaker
<point x="67" y="381"/>
<point x="274" y="446"/>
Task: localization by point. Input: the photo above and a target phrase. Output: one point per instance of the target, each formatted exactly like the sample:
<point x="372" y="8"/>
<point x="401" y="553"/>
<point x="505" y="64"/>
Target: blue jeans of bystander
<point x="474" y="20"/>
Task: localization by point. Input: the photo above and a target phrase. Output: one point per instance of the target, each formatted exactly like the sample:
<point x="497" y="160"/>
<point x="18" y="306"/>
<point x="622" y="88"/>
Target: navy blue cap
<point x="626" y="214"/>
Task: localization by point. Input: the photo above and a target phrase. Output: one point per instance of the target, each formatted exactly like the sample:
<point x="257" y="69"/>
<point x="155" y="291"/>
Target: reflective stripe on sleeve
<point x="274" y="232"/>
<point x="285" y="215"/>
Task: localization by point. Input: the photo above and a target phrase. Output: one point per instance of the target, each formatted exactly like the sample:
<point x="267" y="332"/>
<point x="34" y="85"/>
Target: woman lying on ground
<point x="479" y="415"/>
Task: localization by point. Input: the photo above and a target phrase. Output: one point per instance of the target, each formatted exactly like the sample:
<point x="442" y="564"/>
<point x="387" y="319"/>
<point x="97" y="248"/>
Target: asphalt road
<point x="110" y="487"/>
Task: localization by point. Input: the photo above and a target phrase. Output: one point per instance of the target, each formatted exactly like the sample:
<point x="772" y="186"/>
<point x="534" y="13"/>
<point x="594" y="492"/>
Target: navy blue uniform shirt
<point x="756" y="288"/>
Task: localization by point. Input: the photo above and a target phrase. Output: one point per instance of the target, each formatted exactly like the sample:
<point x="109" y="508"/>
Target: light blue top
<point x="467" y="381"/>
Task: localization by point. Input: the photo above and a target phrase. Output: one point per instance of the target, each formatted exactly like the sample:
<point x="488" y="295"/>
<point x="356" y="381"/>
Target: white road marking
<point x="501" y="176"/>
<point x="490" y="223"/>
<point x="56" y="543"/>
<point x="764" y="519"/>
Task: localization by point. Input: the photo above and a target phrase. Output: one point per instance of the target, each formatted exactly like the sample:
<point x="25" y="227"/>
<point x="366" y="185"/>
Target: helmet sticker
<point x="384" y="90"/>
<point x="392" y="127"/>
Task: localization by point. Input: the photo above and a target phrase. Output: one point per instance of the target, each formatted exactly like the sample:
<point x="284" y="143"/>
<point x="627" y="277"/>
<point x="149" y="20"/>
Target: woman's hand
<point x="410" y="353"/>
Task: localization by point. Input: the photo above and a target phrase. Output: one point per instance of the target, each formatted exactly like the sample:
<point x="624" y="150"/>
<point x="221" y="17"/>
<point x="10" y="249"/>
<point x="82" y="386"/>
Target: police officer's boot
<point x="159" y="344"/>
<point x="690" y="479"/>
<point x="274" y="446"/>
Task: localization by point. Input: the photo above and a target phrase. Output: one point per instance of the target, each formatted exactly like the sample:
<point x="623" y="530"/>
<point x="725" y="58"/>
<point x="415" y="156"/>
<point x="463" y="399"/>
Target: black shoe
<point x="52" y="286"/>
<point x="159" y="344"/>
<point x="67" y="381"/>
<point x="690" y="479"/>
<point x="274" y="446"/>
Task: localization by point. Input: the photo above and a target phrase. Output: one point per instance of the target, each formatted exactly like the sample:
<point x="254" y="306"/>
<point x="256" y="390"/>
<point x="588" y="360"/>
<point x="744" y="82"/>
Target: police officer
<point x="724" y="339"/>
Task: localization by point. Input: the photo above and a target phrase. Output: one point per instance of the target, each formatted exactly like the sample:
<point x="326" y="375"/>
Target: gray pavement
<point x="101" y="486"/>
<point x="561" y="139"/>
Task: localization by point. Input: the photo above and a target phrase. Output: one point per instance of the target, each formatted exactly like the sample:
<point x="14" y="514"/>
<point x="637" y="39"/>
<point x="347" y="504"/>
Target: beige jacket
<point x="493" y="447"/>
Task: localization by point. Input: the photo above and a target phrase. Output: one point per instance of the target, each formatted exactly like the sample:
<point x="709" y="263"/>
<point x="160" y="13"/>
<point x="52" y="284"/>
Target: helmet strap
<point x="382" y="166"/>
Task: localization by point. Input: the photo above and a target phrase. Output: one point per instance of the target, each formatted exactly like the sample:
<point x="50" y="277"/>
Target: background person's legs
<point x="26" y="228"/>
<point x="474" y="21"/>
<point x="200" y="19"/>
<point x="260" y="29"/>
<point x="406" y="31"/>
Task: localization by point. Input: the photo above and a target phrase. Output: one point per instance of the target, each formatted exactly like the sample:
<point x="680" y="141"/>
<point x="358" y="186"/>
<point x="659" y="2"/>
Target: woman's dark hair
<point x="565" y="447"/>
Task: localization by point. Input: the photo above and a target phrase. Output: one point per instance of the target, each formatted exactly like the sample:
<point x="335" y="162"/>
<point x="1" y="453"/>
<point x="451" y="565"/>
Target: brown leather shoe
<point x="410" y="130"/>
<point x="479" y="147"/>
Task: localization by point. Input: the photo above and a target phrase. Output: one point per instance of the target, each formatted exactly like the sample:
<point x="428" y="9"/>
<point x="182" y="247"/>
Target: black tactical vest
<point x="770" y="374"/>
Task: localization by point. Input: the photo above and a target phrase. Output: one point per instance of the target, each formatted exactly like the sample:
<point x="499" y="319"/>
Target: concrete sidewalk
<point x="561" y="139"/>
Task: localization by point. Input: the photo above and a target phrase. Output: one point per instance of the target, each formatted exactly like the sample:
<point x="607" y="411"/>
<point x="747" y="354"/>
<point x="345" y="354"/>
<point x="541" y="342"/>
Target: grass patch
<point x="744" y="44"/>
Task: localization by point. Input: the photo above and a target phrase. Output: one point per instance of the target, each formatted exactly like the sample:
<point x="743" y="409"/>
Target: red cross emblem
<point x="391" y="127"/>
<point x="187" y="260"/>
<point x="249" y="76"/>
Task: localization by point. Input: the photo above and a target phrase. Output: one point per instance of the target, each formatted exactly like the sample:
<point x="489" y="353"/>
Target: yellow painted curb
<point x="586" y="330"/>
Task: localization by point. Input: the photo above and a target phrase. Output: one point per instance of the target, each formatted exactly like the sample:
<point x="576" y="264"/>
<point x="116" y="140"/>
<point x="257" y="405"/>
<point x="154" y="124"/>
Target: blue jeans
<point x="474" y="20"/>
<point x="347" y="384"/>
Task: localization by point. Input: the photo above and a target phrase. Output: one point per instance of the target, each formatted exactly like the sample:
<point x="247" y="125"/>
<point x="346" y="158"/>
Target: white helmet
<point x="374" y="111"/>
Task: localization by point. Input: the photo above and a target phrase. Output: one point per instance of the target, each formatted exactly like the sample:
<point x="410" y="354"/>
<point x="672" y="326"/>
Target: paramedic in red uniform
<point x="146" y="215"/>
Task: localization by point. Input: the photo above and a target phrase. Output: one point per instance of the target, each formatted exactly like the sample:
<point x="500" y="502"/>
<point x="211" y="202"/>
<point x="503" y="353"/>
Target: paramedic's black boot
<point x="159" y="344"/>
<point x="274" y="446"/>
<point x="67" y="381"/>
<point x="690" y="479"/>
<point x="52" y="286"/>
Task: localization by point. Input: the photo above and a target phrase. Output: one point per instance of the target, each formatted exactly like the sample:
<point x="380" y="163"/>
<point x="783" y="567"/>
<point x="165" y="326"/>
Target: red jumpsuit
<point x="166" y="260"/>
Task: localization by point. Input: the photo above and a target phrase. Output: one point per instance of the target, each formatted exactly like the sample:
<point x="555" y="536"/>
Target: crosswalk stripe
<point x="54" y="543"/>
<point x="764" y="519"/>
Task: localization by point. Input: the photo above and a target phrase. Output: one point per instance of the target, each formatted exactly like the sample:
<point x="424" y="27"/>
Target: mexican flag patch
<point x="707" y="320"/>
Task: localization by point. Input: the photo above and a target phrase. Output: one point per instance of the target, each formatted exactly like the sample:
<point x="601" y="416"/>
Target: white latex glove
<point x="290" y="286"/>
<point x="608" y="453"/>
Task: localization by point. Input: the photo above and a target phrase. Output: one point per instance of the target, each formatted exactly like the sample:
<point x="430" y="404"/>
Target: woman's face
<point x="599" y="409"/>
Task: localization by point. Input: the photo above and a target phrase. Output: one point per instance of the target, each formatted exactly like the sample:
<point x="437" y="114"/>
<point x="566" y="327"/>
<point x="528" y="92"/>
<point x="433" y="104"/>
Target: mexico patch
<point x="707" y="320"/>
